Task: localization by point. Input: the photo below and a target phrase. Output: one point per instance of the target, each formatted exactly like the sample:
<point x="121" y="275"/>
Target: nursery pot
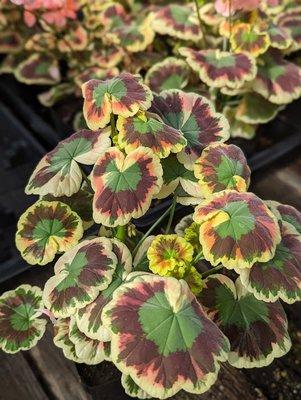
<point x="102" y="381"/>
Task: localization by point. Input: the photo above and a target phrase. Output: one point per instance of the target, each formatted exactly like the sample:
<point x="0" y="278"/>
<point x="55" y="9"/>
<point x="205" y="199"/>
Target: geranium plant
<point x="167" y="306"/>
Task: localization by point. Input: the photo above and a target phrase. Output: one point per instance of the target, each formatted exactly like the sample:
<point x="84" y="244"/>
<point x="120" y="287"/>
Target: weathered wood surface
<point x="18" y="380"/>
<point x="44" y="373"/>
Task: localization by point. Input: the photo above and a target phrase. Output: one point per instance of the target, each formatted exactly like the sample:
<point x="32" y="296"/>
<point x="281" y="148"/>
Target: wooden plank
<point x="231" y="385"/>
<point x="281" y="184"/>
<point x="18" y="381"/>
<point x="58" y="374"/>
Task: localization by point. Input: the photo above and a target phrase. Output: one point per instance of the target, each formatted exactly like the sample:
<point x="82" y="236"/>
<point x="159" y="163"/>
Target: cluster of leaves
<point x="241" y="55"/>
<point x="154" y="305"/>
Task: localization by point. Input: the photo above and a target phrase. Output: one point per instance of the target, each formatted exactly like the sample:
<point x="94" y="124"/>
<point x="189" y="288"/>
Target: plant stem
<point x="211" y="271"/>
<point x="85" y="178"/>
<point x="121" y="233"/>
<point x="113" y="126"/>
<point x="151" y="229"/>
<point x="197" y="258"/>
<point x="171" y="215"/>
<point x="200" y="22"/>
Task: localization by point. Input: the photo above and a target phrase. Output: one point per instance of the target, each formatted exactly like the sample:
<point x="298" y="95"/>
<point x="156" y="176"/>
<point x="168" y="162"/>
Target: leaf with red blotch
<point x="257" y="331"/>
<point x="76" y="39"/>
<point x="124" y="185"/>
<point x="195" y="117"/>
<point x="221" y="68"/>
<point x="46" y="228"/>
<point x="237" y="230"/>
<point x="245" y="38"/>
<point x="89" y="318"/>
<point x="20" y="324"/>
<point x="170" y="344"/>
<point x="123" y="95"/>
<point x="279" y="278"/>
<point x="178" y="21"/>
<point x="39" y="69"/>
<point x="221" y="167"/>
<point x="80" y="275"/>
<point x="149" y="131"/>
<point x="290" y="20"/>
<point x="10" y="42"/>
<point x="277" y="80"/>
<point x="286" y="213"/>
<point x="171" y="73"/>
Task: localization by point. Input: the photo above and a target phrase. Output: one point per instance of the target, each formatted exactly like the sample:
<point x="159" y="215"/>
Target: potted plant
<point x="169" y="305"/>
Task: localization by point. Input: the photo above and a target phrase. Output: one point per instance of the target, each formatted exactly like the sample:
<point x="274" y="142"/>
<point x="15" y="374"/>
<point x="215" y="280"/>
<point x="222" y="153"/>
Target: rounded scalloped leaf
<point x="237" y="230"/>
<point x="20" y="325"/>
<point x="171" y="73"/>
<point x="149" y="131"/>
<point x="133" y="36"/>
<point x="280" y="37"/>
<point x="257" y="331"/>
<point x="124" y="185"/>
<point x="56" y="94"/>
<point x="123" y="95"/>
<point x="195" y="117"/>
<point x="80" y="202"/>
<point x="112" y="15"/>
<point x="46" y="228"/>
<point x="107" y="58"/>
<point x="286" y="213"/>
<point x="58" y="173"/>
<point x="209" y="15"/>
<point x="39" y="69"/>
<point x="291" y="21"/>
<point x="61" y="339"/>
<point x="76" y="39"/>
<point x="277" y="80"/>
<point x="170" y="343"/>
<point x="179" y="180"/>
<point x="89" y="318"/>
<point x="279" y="278"/>
<point x="255" y="109"/>
<point x="88" y="351"/>
<point x="178" y="21"/>
<point x="245" y="38"/>
<point x="239" y="128"/>
<point x="80" y="275"/>
<point x="221" y="68"/>
<point x="40" y="42"/>
<point x="10" y="42"/>
<point x="221" y="167"/>
<point x="94" y="73"/>
<point x="132" y="389"/>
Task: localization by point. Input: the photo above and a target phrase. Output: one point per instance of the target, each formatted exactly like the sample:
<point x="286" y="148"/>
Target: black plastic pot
<point x="29" y="131"/>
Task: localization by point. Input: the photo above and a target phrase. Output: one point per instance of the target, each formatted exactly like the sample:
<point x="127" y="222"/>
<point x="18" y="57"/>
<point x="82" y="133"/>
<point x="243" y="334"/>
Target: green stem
<point x="151" y="229"/>
<point x="212" y="271"/>
<point x="200" y="23"/>
<point x="86" y="179"/>
<point x="197" y="258"/>
<point x="113" y="125"/>
<point x="121" y="233"/>
<point x="171" y="215"/>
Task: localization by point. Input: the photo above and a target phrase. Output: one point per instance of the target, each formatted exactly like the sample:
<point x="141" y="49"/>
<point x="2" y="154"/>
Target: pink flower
<point x="229" y="7"/>
<point x="54" y="12"/>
